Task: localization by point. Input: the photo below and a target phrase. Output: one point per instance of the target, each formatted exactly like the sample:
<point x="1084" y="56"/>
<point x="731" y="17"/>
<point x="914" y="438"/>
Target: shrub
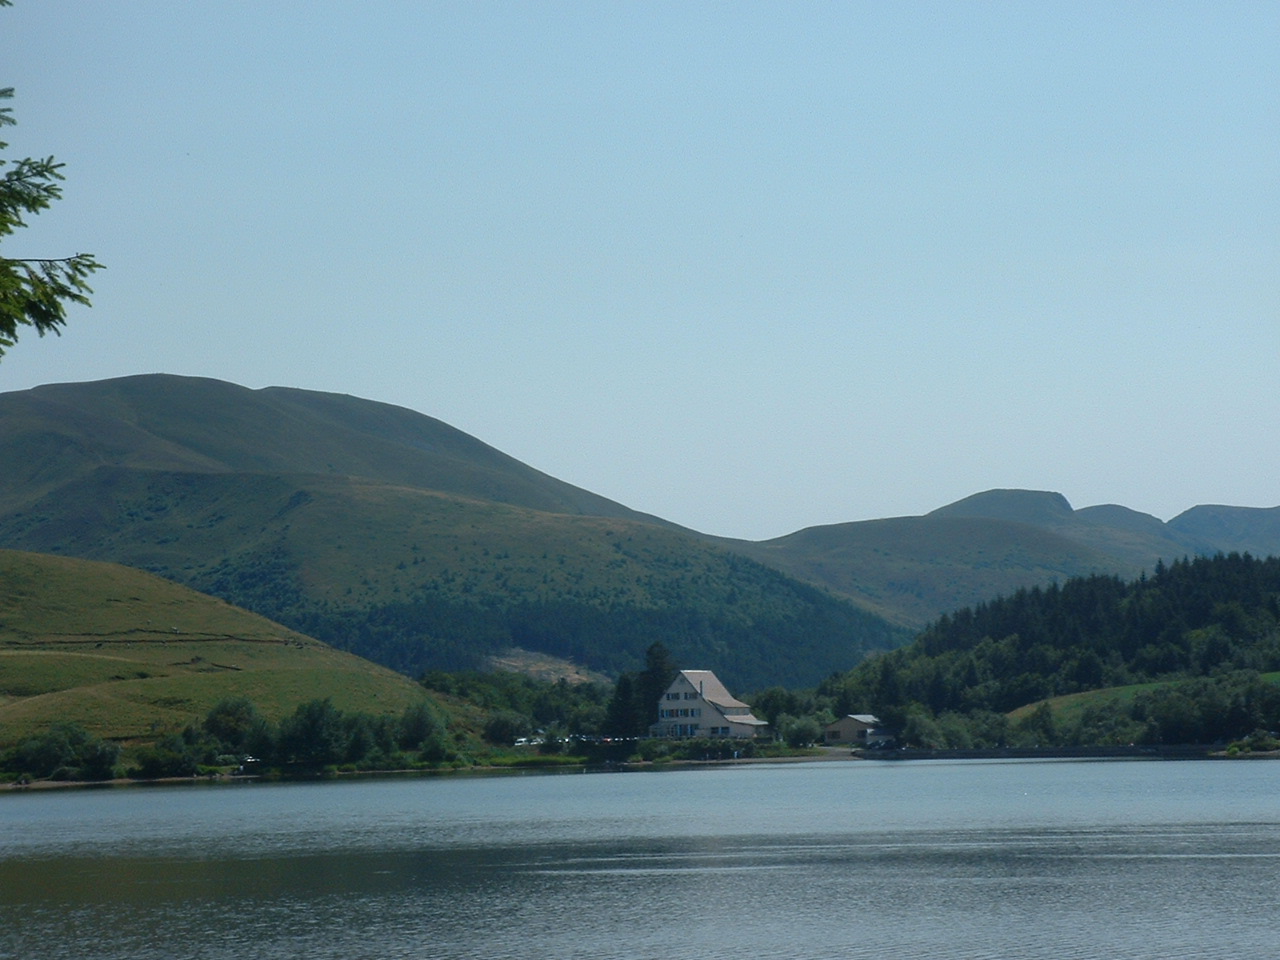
<point x="505" y="727"/>
<point x="171" y="757"/>
<point x="63" y="752"/>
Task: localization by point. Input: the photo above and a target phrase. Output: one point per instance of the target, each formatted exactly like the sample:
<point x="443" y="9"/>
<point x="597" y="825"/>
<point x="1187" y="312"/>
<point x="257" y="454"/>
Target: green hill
<point x="60" y="433"/>
<point x="131" y="656"/>
<point x="394" y="536"/>
<point x="912" y="570"/>
<point x="1245" y="529"/>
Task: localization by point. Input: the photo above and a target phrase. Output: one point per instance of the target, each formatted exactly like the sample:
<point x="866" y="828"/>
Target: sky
<point x="750" y="267"/>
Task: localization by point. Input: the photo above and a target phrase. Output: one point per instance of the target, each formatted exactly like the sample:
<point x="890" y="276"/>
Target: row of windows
<point x="685" y="712"/>
<point x="682" y="696"/>
<point x="693" y="730"/>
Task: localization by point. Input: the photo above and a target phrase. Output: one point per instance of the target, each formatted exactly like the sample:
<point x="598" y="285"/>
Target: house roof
<point x="711" y="689"/>
<point x="867" y="718"/>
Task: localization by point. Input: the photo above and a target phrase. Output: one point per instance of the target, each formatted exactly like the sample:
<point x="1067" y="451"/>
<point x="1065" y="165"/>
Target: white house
<point x="861" y="728"/>
<point x="698" y="705"/>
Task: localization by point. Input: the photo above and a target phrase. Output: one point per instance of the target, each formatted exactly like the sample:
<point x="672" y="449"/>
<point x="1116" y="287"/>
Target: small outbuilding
<point x="860" y="729"/>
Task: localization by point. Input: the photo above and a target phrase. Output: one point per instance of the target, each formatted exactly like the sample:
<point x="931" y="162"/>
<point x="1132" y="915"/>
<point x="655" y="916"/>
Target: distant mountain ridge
<point x="1224" y="529"/>
<point x="395" y="535"/>
<point x="1127" y="533"/>
<point x="914" y="569"/>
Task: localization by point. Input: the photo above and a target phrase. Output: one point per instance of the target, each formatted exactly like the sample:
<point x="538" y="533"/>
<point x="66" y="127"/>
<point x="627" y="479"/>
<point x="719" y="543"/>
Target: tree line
<point x="235" y="734"/>
<point x="1199" y="633"/>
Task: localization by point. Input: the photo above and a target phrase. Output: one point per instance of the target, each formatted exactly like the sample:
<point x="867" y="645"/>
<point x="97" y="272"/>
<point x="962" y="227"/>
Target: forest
<point x="1181" y="656"/>
<point x="784" y="634"/>
<point x="234" y="735"/>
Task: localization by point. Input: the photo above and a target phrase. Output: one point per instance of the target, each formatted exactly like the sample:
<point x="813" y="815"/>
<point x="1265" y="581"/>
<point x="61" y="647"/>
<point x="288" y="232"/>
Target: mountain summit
<point x="63" y="432"/>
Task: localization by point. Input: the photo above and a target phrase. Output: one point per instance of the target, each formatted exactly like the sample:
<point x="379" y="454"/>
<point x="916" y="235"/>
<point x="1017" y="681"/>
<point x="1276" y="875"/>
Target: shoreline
<point x="828" y="755"/>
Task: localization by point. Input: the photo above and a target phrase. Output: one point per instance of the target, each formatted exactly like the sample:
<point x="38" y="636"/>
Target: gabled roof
<point x="711" y="689"/>
<point x="867" y="718"/>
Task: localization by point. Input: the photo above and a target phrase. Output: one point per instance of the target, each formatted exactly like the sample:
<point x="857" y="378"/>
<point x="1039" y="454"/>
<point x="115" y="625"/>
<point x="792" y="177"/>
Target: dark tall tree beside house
<point x="34" y="291"/>
<point x="622" y="716"/>
<point x="659" y="670"/>
<point x="634" y="705"/>
<point x="313" y="734"/>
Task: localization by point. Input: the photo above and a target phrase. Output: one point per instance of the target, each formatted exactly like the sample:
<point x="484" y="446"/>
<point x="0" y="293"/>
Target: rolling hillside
<point x="56" y="434"/>
<point x="128" y="655"/>
<point x="394" y="536"/>
<point x="912" y="570"/>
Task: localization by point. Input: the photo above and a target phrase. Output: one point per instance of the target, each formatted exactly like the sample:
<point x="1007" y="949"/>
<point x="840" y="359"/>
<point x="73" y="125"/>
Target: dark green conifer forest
<point x="1192" y="650"/>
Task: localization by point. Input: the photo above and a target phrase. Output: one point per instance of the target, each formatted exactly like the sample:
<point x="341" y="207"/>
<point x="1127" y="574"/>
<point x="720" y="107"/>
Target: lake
<point x="874" y="859"/>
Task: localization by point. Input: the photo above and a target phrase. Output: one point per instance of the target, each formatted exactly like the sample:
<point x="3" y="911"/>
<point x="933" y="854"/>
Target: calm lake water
<point x="879" y="860"/>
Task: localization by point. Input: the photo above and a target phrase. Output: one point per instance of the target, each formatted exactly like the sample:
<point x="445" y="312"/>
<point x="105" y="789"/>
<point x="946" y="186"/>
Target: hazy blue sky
<point x="751" y="267"/>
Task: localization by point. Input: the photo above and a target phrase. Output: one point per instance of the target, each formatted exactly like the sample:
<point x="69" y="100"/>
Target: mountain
<point x="126" y="654"/>
<point x="1133" y="538"/>
<point x="1252" y="529"/>
<point x="393" y="535"/>
<point x="912" y="570"/>
<point x="60" y="433"/>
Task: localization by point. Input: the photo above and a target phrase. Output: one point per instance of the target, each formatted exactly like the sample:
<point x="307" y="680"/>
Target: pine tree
<point x="35" y="292"/>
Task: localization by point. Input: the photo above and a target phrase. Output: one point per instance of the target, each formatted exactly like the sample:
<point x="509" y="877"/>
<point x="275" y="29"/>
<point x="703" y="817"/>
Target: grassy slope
<point x="1070" y="706"/>
<point x="198" y="478"/>
<point x="357" y="505"/>
<point x="912" y="569"/>
<point x="159" y="422"/>
<point x="129" y="655"/>
<point x="365" y="543"/>
<point x="277" y="543"/>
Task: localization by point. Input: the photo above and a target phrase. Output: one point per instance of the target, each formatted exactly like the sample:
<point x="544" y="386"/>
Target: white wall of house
<point x="697" y="704"/>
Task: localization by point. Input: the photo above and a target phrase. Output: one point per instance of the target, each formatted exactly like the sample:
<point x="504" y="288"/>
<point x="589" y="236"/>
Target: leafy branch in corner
<point x="35" y="291"/>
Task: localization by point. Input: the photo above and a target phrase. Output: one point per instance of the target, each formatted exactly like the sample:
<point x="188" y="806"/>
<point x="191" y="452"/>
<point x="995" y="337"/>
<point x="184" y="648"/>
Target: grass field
<point x="1069" y="707"/>
<point x="130" y="656"/>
